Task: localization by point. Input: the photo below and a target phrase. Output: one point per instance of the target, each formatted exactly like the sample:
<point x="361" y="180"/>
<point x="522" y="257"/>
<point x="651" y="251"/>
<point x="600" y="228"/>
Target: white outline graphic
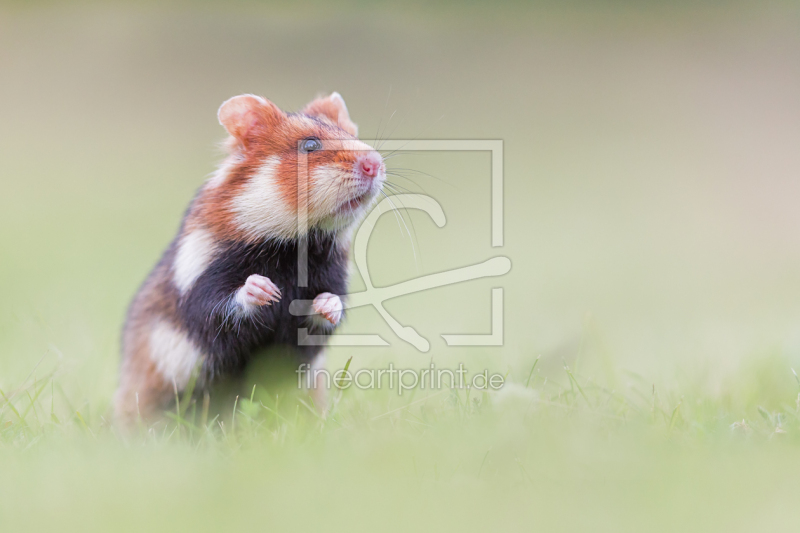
<point x="375" y="296"/>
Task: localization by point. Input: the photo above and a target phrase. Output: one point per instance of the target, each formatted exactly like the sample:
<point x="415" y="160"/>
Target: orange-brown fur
<point x="213" y="205"/>
<point x="142" y="389"/>
<point x="257" y="132"/>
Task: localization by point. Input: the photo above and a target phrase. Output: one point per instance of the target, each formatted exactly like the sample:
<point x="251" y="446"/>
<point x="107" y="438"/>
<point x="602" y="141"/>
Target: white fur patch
<point x="260" y="209"/>
<point x="331" y="186"/>
<point x="328" y="189"/>
<point x="195" y="252"/>
<point x="174" y="354"/>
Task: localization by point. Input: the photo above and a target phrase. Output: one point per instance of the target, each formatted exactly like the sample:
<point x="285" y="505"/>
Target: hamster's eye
<point x="312" y="144"/>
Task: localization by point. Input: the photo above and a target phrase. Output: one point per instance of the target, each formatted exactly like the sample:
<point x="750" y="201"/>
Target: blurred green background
<point x="652" y="175"/>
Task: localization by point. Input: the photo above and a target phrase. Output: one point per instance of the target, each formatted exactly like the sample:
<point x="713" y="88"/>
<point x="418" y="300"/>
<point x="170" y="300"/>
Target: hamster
<point x="222" y="289"/>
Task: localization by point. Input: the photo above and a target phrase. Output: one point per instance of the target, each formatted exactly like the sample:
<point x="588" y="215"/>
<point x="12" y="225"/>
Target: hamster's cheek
<point x="262" y="207"/>
<point x="328" y="189"/>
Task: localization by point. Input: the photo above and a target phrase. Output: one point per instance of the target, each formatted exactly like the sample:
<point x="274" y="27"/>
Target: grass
<point x="559" y="451"/>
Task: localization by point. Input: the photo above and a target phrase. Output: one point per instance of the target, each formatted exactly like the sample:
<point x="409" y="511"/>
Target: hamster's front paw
<point x="258" y="291"/>
<point x="329" y="306"/>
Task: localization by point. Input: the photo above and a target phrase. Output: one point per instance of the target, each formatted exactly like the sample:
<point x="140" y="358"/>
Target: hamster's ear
<point x="332" y="109"/>
<point x="246" y="115"/>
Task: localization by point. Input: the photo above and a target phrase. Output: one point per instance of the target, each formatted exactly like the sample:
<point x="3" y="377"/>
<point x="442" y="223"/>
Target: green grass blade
<point x="532" y="369"/>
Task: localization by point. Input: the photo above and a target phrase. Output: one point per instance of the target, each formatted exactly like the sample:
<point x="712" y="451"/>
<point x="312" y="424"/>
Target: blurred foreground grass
<point x="556" y="452"/>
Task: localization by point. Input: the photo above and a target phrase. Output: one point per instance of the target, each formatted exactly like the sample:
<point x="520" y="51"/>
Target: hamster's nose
<point x="370" y="165"/>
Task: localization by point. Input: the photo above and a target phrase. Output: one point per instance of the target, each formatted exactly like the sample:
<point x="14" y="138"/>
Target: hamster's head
<point x="287" y="173"/>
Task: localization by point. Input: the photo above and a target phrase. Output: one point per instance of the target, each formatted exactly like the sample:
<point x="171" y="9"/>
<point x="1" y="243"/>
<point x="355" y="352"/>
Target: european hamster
<point x="222" y="288"/>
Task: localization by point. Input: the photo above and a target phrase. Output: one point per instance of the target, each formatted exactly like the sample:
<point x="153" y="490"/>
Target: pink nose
<point x="370" y="165"/>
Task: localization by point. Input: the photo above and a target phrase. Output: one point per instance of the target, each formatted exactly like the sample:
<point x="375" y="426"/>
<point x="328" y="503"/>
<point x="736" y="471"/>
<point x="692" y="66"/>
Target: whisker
<point x="383" y="141"/>
<point x="410" y="237"/>
<point x="408" y="179"/>
<point x="385" y="106"/>
<point x="418" y="136"/>
<point x="398" y="188"/>
<point x="394" y="212"/>
<point x="394" y="169"/>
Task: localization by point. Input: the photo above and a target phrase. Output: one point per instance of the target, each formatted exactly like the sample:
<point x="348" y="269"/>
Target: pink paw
<point x="329" y="306"/>
<point x="258" y="291"/>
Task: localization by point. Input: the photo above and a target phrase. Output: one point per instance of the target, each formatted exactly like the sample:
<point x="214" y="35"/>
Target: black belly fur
<point x="228" y="341"/>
